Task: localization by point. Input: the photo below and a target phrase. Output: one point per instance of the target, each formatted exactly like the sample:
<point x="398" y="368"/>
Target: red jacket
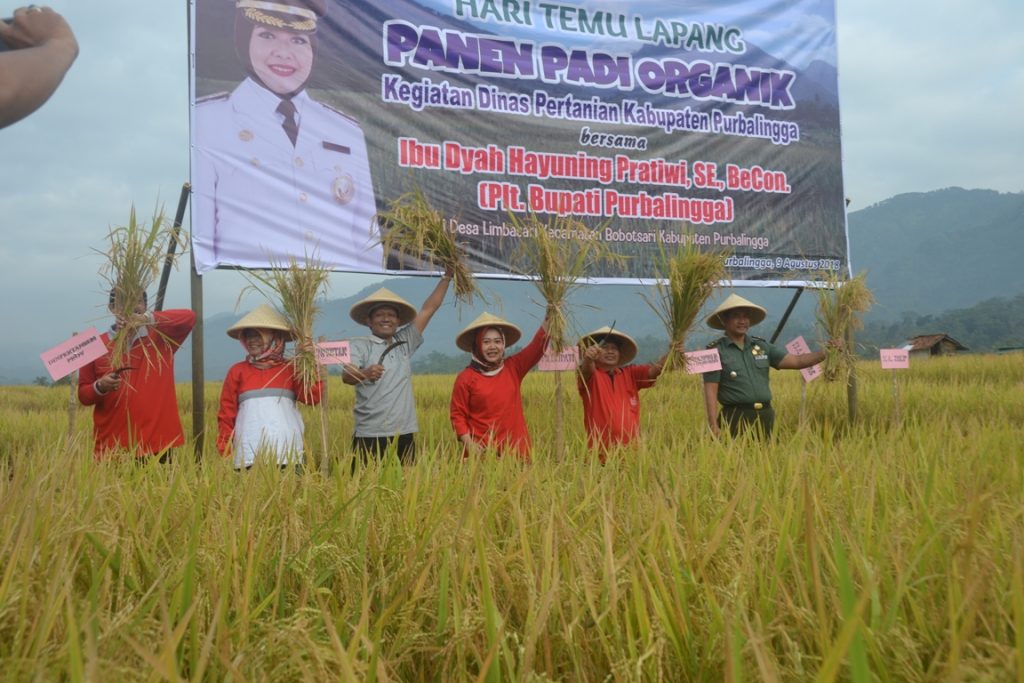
<point x="244" y="377"/>
<point x="490" y="409"/>
<point x="611" y="404"/>
<point x="143" y="414"/>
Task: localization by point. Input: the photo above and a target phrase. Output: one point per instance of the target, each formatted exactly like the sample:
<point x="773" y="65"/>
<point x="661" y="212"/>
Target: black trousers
<point x="741" y="418"/>
<point x="377" y="446"/>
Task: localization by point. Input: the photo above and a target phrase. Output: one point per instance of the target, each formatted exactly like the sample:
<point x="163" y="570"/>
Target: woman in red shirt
<point x="258" y="416"/>
<point x="487" y="403"/>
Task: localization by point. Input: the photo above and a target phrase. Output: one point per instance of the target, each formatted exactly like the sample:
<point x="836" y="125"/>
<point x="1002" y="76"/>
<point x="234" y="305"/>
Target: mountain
<point x="928" y="256"/>
<point x="930" y="252"/>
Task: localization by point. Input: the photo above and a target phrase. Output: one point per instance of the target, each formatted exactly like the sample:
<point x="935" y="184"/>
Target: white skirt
<point x="268" y="428"/>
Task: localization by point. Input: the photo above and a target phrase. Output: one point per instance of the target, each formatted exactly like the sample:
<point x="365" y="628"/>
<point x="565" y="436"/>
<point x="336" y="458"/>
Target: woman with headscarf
<point x="258" y="414"/>
<point x="487" y="404"/>
<point x="277" y="174"/>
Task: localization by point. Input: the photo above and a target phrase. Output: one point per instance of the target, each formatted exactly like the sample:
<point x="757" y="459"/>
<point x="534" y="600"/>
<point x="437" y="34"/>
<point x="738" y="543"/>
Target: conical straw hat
<point x="757" y="314"/>
<point x="465" y="338"/>
<point x="627" y="345"/>
<point x="262" y="317"/>
<point x="361" y="310"/>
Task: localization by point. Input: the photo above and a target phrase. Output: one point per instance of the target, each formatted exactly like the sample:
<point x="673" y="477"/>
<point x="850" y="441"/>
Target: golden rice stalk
<point x="557" y="265"/>
<point x="686" y="279"/>
<point x="412" y="228"/>
<point x="295" y="289"/>
<point x="840" y="307"/>
<point x="135" y="255"/>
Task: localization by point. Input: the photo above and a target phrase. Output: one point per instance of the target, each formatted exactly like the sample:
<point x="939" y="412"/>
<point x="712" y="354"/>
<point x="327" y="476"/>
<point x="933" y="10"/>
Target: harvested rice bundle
<point x="297" y="288"/>
<point x="134" y="258"/>
<point x="687" y="279"/>
<point x="556" y="265"/>
<point x="840" y="307"/>
<point x="412" y="228"/>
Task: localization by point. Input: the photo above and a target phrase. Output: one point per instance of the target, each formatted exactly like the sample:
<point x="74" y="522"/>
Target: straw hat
<point x="262" y="317"/>
<point x="627" y="345"/>
<point x="757" y="314"/>
<point x="465" y="339"/>
<point x="361" y="310"/>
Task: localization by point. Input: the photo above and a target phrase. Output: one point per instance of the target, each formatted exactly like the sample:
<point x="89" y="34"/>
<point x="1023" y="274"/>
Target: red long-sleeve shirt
<point x="611" y="404"/>
<point x="143" y="414"/>
<point x="244" y="377"/>
<point x="490" y="409"/>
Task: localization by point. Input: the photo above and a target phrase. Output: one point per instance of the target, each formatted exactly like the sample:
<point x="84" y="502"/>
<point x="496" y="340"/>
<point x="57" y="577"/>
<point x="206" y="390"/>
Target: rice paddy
<point x="887" y="550"/>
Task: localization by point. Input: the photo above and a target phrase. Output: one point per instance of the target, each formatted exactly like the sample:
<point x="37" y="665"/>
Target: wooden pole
<point x="559" y="418"/>
<point x="851" y="384"/>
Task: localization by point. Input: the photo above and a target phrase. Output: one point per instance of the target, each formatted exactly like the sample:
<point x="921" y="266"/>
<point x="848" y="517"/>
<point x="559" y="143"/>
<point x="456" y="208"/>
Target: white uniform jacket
<point x="258" y="200"/>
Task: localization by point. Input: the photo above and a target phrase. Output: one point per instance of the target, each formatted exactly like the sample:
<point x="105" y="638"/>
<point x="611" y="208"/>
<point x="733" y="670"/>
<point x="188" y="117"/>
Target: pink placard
<point x="333" y="353"/>
<point x="799" y="346"/>
<point x="894" y="359"/>
<point x="75" y="353"/>
<point x="568" y="359"/>
<point x="707" y="360"/>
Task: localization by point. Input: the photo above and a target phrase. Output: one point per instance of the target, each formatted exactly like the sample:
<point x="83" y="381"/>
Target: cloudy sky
<point x="931" y="94"/>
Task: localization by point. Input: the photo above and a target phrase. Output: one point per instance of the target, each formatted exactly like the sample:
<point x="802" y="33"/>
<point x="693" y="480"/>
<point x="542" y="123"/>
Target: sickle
<point x="388" y="350"/>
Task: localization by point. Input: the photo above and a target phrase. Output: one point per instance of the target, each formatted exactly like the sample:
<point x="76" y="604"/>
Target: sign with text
<point x="894" y="359"/>
<point x="799" y="346"/>
<point x="73" y="354"/>
<point x="706" y="360"/>
<point x="568" y="359"/>
<point x="333" y="353"/>
<point x="644" y="126"/>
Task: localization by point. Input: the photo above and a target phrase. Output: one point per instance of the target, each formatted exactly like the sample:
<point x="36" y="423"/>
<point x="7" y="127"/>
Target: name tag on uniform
<point x="334" y="147"/>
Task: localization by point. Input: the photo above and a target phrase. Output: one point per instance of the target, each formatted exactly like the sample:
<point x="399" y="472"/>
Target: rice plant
<point x="134" y="256"/>
<point x="687" y="278"/>
<point x="411" y="227"/>
<point x="841" y="306"/>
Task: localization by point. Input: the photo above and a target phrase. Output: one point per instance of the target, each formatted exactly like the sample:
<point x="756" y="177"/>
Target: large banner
<point x="653" y="122"/>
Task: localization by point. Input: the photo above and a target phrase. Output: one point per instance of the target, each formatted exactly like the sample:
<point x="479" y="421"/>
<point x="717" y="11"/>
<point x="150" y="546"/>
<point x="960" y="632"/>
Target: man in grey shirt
<point x="381" y="370"/>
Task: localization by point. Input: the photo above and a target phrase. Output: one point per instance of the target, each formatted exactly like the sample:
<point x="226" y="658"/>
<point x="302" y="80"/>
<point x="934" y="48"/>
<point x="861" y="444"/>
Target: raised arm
<point x="42" y="48"/>
<point x="433" y="302"/>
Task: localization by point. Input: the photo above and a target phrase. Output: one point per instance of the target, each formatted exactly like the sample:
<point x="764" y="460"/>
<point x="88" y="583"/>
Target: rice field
<point x="886" y="550"/>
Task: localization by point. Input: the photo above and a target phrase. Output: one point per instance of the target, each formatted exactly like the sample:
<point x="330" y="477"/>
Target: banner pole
<point x="785" y="316"/>
<point x="198" y="373"/>
<point x="171" y="246"/>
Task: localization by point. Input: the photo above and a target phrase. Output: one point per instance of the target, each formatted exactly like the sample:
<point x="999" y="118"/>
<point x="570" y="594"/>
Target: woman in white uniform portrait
<point x="277" y="174"/>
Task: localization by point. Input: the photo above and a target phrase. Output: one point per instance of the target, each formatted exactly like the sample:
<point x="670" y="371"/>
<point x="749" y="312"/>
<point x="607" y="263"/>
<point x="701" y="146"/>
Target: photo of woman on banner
<point x="277" y="174"/>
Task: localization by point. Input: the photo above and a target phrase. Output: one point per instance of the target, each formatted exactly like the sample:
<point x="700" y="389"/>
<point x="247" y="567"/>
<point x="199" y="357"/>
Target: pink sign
<point x="332" y="353"/>
<point x="75" y="353"/>
<point x="797" y="347"/>
<point x="894" y="359"/>
<point x="707" y="360"/>
<point x="568" y="359"/>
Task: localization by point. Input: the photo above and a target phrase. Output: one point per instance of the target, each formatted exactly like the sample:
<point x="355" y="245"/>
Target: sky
<point x="930" y="93"/>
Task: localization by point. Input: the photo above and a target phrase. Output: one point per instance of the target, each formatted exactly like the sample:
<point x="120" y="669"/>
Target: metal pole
<point x="198" y="373"/>
<point x="785" y="316"/>
<point x="171" y="246"/>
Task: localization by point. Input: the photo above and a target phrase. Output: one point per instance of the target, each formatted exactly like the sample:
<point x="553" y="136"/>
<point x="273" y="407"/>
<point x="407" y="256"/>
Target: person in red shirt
<point x="487" y="403"/>
<point x="135" y="406"/>
<point x="258" y="415"/>
<point x="610" y="388"/>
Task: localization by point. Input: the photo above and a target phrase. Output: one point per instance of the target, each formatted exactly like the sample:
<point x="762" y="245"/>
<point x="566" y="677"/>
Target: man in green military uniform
<point x="741" y="386"/>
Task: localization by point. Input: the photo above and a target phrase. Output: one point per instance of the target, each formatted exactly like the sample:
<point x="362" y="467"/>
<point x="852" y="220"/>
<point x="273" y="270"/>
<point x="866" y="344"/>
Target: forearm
<point x="802" y="360"/>
<point x="29" y="76"/>
<point x="711" y="405"/>
<point x="432" y="303"/>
